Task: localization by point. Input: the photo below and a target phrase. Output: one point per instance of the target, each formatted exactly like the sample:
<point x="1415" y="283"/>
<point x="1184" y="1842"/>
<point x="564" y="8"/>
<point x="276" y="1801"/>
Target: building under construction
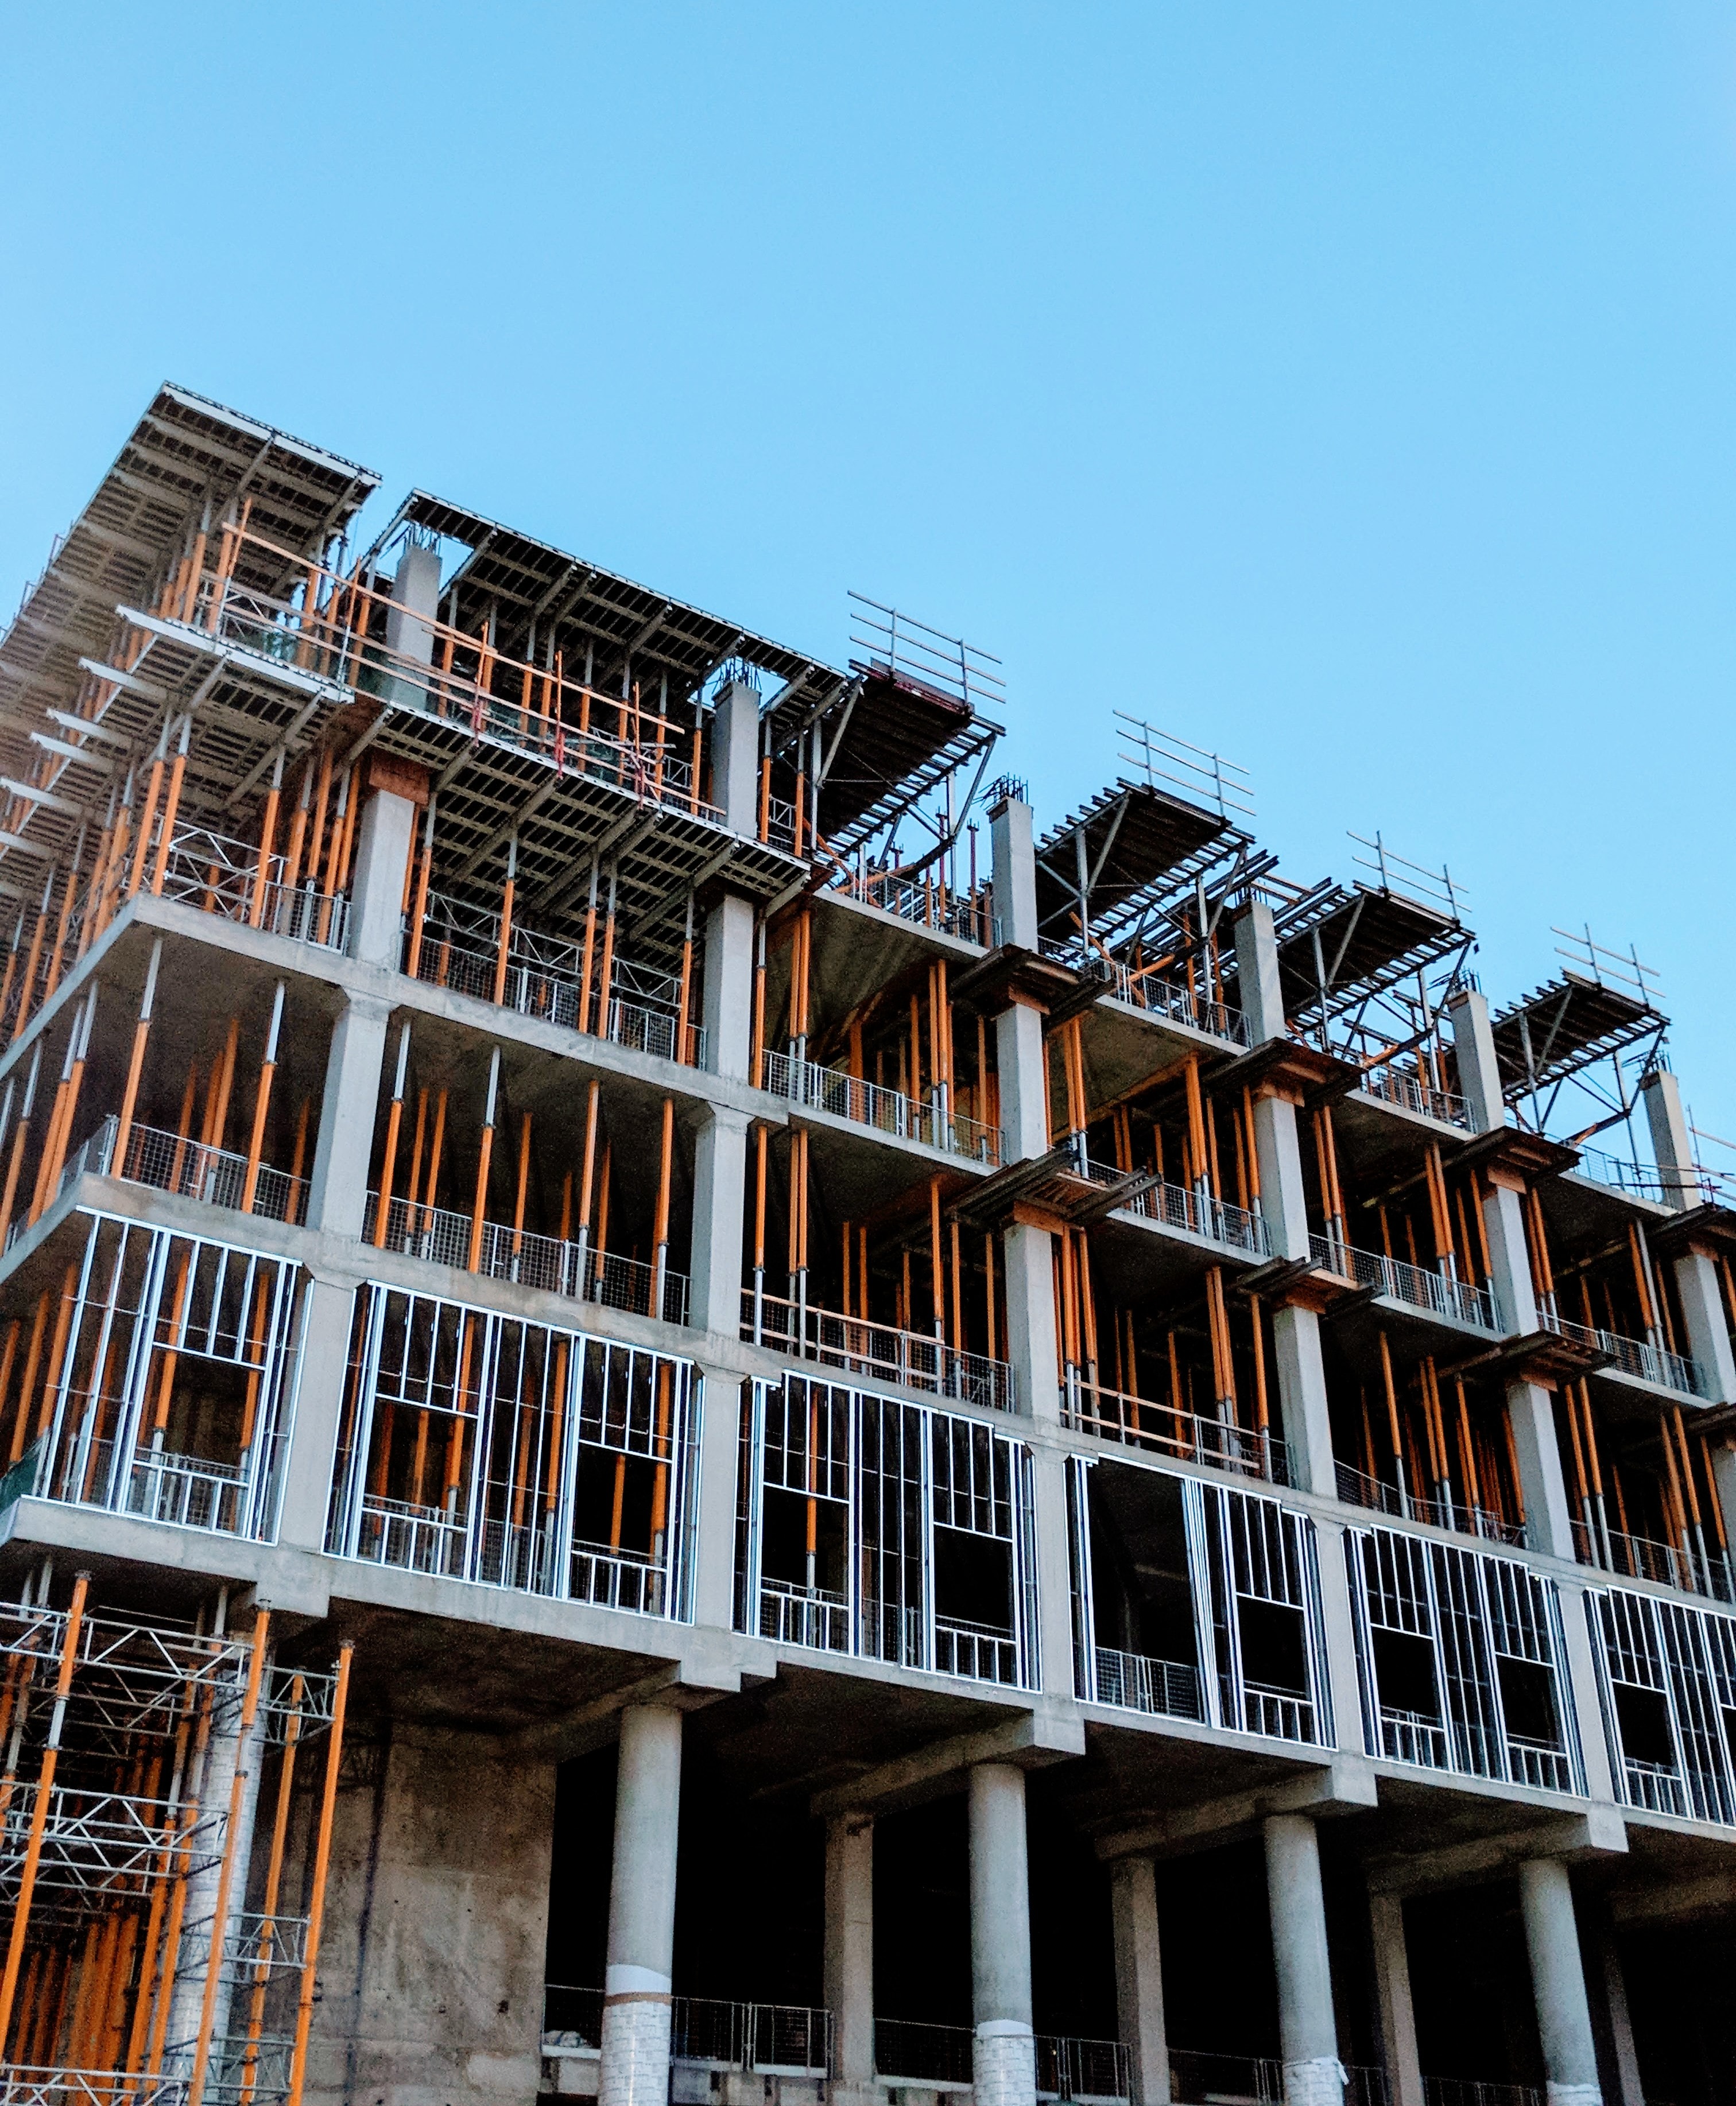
<point x="693" y="1411"/>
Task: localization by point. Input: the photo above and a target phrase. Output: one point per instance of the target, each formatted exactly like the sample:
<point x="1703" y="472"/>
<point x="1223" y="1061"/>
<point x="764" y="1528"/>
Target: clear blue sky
<point x="1345" y="386"/>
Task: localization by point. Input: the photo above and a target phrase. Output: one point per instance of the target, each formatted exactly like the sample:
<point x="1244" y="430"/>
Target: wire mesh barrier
<point x="557" y="982"/>
<point x="860" y="1348"/>
<point x="917" y="2052"/>
<point x="770" y="2039"/>
<point x="1690" y="1567"/>
<point x="1415" y="1092"/>
<point x="1141" y="987"/>
<point x="811" y="1617"/>
<point x="1199" y="2076"/>
<point x="1198" y="1212"/>
<point x="1165" y="1688"/>
<point x="1475" y="2091"/>
<point x="572" y="2020"/>
<point x="887" y="1111"/>
<point x="1638" y="1357"/>
<point x="1165" y="1429"/>
<point x="1092" y="2073"/>
<point x="927" y="902"/>
<point x="980" y="1652"/>
<point x="1413" y="1284"/>
<point x="571" y="1269"/>
<point x="1356" y="1488"/>
<point x="172" y="1163"/>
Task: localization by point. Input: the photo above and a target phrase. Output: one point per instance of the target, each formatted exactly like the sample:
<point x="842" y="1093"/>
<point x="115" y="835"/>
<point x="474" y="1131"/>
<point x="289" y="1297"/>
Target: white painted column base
<point x="1319" y="2081"/>
<point x="1575" y="2095"/>
<point x="1004" y="2064"/>
<point x="635" y="2050"/>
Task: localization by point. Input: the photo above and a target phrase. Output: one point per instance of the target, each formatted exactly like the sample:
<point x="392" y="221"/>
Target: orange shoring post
<point x="222" y="1085"/>
<point x="588" y="1171"/>
<point x="1440" y="1213"/>
<point x="435" y="1152"/>
<point x="1393" y="1424"/>
<point x="148" y="816"/>
<point x="389" y="1164"/>
<point x="660" y="1478"/>
<point x="225" y="1871"/>
<point x="53" y="980"/>
<point x="936" y="1274"/>
<point x="292" y="868"/>
<point x="1647" y="1312"/>
<point x="606" y="968"/>
<point x="171" y="808"/>
<point x="136" y="1063"/>
<point x="268" y="1899"/>
<point x="11" y="974"/>
<point x="484" y="1157"/>
<point x="523" y="1184"/>
<point x="267" y="842"/>
<point x="27" y="1384"/>
<point x="958" y="1264"/>
<point x="603" y="1180"/>
<point x="316" y="844"/>
<point x="504" y="947"/>
<point x="418" y="906"/>
<point x="65" y="1106"/>
<point x="1262" y="1405"/>
<point x="317" y="1901"/>
<point x="19" y="1137"/>
<point x="39" y="1808"/>
<point x="27" y="986"/>
<point x="262" y="1102"/>
<point x="660" y="1230"/>
<point x="1198" y="1148"/>
<point x="687" y="982"/>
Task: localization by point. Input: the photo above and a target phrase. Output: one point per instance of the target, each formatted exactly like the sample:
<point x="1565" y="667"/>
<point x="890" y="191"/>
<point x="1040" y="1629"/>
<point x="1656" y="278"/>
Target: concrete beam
<point x="1030" y="1740"/>
<point x="1344" y="1785"/>
<point x="1673" y="1900"/>
<point x="1599" y="1832"/>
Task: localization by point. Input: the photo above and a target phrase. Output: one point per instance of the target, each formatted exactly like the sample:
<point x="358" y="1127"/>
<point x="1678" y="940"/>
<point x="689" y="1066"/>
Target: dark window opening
<point x="1275" y="1653"/>
<point x="1528" y="1700"/>
<point x="784" y="1546"/>
<point x="1404" y="1669"/>
<point x="1644" y="1716"/>
<point x="973" y="1579"/>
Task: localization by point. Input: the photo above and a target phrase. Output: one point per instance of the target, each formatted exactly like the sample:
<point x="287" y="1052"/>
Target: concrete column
<point x="849" y="1952"/>
<point x="321" y="1363"/>
<point x="1558" y="1981"/>
<point x="727" y="1007"/>
<point x="1393" y="2008"/>
<point x="1301" y="1398"/>
<point x="409" y="619"/>
<point x="735" y="758"/>
<point x="1509" y="1258"/>
<point x="1313" y="2076"/>
<point x="720" y="1197"/>
<point x="437" y="1925"/>
<point x="1006" y="2051"/>
<point x="642" y="1911"/>
<point x="1708" y="1339"/>
<point x="1024" y="1105"/>
<point x="1012" y="846"/>
<point x="1480" y="1073"/>
<point x="1258" y="988"/>
<point x="1277" y="1149"/>
<point x="1549" y="1525"/>
<point x="1672" y="1143"/>
<point x="1582" y="1690"/>
<point x="1139" y="1978"/>
<point x="1626" y="2059"/>
<point x="385" y="839"/>
<point x="337" y="1193"/>
<point x="720" y="1458"/>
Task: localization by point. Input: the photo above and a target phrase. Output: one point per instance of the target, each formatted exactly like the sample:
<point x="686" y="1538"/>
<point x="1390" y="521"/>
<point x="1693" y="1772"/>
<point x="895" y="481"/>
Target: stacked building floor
<point x="693" y="1412"/>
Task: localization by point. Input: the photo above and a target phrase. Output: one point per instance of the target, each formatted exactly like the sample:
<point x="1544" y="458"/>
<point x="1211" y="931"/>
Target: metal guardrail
<point x="1644" y="1557"/>
<point x="1134" y="1681"/>
<point x="927" y="904"/>
<point x="569" y="1269"/>
<point x="1198" y="2076"/>
<point x="1473" y="2091"/>
<point x="171" y="1162"/>
<point x="1413" y="1284"/>
<point x="1634" y="1356"/>
<point x="1415" y="1093"/>
<point x="1190" y="1436"/>
<point x="859" y="1347"/>
<point x="1197" y="1211"/>
<point x="770" y="2039"/>
<point x="870" y="1105"/>
<point x="977" y="1652"/>
<point x="1357" y="1488"/>
<point x="1178" y="1004"/>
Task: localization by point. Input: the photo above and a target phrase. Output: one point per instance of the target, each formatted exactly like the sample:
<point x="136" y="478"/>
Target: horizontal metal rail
<point x="1357" y="1488"/>
<point x="1178" y="1004"/>
<point x="925" y="902"/>
<point x="570" y="1269"/>
<point x="171" y="1162"/>
<point x="1434" y="1293"/>
<point x="1135" y="1682"/>
<point x="769" y="2040"/>
<point x="1196" y="1211"/>
<point x="1644" y="1557"/>
<point x="886" y="1111"/>
<point x="812" y="1616"/>
<point x="1412" y="1092"/>
<point x="979" y="1652"/>
<point x="860" y="1348"/>
<point x="1189" y="1436"/>
<point x="1634" y="1356"/>
<point x="1198" y="2076"/>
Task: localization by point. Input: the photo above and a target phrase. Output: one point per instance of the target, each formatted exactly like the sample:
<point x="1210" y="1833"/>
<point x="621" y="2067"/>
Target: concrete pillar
<point x="1672" y="1143"/>
<point x="409" y="619"/>
<point x="1005" y="2058"/>
<point x="726" y="1009"/>
<point x="1708" y="1339"/>
<point x="1582" y="1690"/>
<point x="642" y="1911"/>
<point x="384" y="838"/>
<point x="735" y="758"/>
<point x="1630" y="2088"/>
<point x="1393" y="2008"/>
<point x="720" y="1197"/>
<point x="1543" y="1486"/>
<point x="1313" y="2076"/>
<point x="1509" y="1257"/>
<point x="849" y="1988"/>
<point x="1012" y="847"/>
<point x="338" y="1191"/>
<point x="321" y="1363"/>
<point x="1301" y="1398"/>
<point x="1032" y="1344"/>
<point x="1277" y="1149"/>
<point x="437" y="1925"/>
<point x="1480" y="1073"/>
<point x="1558" y="1982"/>
<point x="1139" y="1978"/>
<point x="720" y="1458"/>
<point x="1258" y="988"/>
<point x="1024" y="1105"/>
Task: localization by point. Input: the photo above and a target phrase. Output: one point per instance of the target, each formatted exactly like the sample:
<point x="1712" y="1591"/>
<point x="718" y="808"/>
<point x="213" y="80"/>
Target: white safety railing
<point x="977" y="1651"/>
<point x="886" y="1111"/>
<point x="1357" y="1488"/>
<point x="1175" y="1002"/>
<point x="1436" y="1292"/>
<point x="1196" y="1211"/>
<point x="171" y="1162"/>
<point x="1413" y="1092"/>
<point x="859" y="1346"/>
<point x="1164" y="1688"/>
<point x="811" y="1617"/>
<point x="923" y="901"/>
<point x="1638" y="1357"/>
<point x="1190" y="1436"/>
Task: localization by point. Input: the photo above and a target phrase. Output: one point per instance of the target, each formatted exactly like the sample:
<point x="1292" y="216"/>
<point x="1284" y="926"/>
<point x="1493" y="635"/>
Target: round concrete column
<point x="1558" y="1981"/>
<point x="1006" y="2052"/>
<point x="642" y="1911"/>
<point x="1307" y="2031"/>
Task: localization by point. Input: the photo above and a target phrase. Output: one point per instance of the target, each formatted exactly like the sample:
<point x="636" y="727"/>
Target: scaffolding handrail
<point x="890" y="1112"/>
<point x="1195" y="1209"/>
<point x="1164" y="760"/>
<point x="1167" y="1429"/>
<point x="1144" y="989"/>
<point x="1420" y="883"/>
<point x="911" y="651"/>
<point x="1642" y="1358"/>
<point x="1683" y="1566"/>
<point x="1413" y="1092"/>
<point x="1357" y="1488"/>
<point x="1395" y="1278"/>
<point x="857" y="1345"/>
<point x="928" y="902"/>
